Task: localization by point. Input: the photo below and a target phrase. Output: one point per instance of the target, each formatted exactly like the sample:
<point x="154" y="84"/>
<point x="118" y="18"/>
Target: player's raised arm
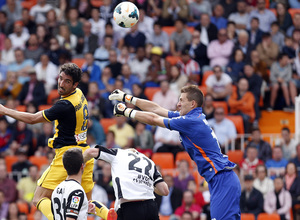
<point x="143" y="104"/>
<point x="150" y="118"/>
<point x="26" y="117"/>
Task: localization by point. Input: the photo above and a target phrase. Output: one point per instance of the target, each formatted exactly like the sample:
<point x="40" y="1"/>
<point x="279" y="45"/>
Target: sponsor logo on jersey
<point x="80" y="137"/>
<point x="75" y="202"/>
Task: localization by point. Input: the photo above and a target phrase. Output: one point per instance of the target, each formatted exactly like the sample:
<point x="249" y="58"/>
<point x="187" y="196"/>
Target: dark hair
<point x="255" y="18"/>
<point x="73" y="160"/>
<point x="157" y="23"/>
<point x="255" y="129"/>
<point x="231" y="22"/>
<point x="4" y="13"/>
<point x="187" y="213"/>
<point x="261" y="165"/>
<point x="281" y="55"/>
<point x="193" y="93"/>
<point x="72" y="70"/>
<point x="286" y="129"/>
<point x="266" y="35"/>
<point x="275" y="23"/>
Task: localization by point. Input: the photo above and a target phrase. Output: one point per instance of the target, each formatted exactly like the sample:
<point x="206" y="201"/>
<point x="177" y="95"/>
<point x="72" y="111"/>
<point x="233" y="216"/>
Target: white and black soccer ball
<point x="126" y="14"/>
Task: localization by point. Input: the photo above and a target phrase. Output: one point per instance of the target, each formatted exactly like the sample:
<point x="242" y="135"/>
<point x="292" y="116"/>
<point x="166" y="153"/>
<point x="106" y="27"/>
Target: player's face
<point x="65" y="84"/>
<point x="184" y="105"/>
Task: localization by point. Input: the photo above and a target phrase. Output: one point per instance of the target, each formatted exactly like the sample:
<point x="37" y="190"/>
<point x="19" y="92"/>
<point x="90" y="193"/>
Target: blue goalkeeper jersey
<point x="200" y="141"/>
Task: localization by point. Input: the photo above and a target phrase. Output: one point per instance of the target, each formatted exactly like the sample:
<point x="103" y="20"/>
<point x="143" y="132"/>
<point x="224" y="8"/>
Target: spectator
<point x="124" y="133"/>
<point x="66" y="39"/>
<point x="208" y="107"/>
<point x="106" y="10"/>
<point x="13" y="9"/>
<point x="244" y="45"/>
<point x="179" y="38"/>
<point x="219" y="84"/>
<point x="236" y="66"/>
<point x="184" y="175"/>
<point x="165" y="97"/>
<point x="6" y="27"/>
<point x="278" y="201"/>
<point x="187" y="216"/>
<point x="18" y="37"/>
<point x="42" y="138"/>
<point x="7" y="185"/>
<point x="140" y="64"/>
<point x="198" y="51"/>
<point x="198" y="197"/>
<point x="276" y="165"/>
<point x="172" y="10"/>
<point x="114" y="64"/>
<point x="134" y="39"/>
<point x="249" y="164"/>
<point x="294" y="4"/>
<point x="197" y="8"/>
<point x="21" y="167"/>
<point x="95" y="129"/>
<point x="143" y="139"/>
<point x="128" y="78"/>
<point x="296" y="73"/>
<point x="157" y="68"/>
<point x="255" y="84"/>
<point x="159" y="38"/>
<point x="296" y="160"/>
<point x="252" y="200"/>
<point x="265" y="16"/>
<point x="27" y="22"/>
<point x="38" y="12"/>
<point x="188" y="205"/>
<point x="43" y="36"/>
<point x="255" y="33"/>
<point x="3" y="206"/>
<point x="92" y="68"/>
<point x="295" y="26"/>
<point x="7" y="54"/>
<point x="11" y="87"/>
<point x="281" y="76"/>
<point x="46" y="72"/>
<point x="145" y="24"/>
<point x="287" y="143"/>
<point x="242" y="103"/>
<point x="21" y="66"/>
<point x="95" y="102"/>
<point x="73" y="23"/>
<point x="109" y="30"/>
<point x="229" y="7"/>
<point x="283" y="17"/>
<point x="13" y="212"/>
<point x="6" y="136"/>
<point x="97" y="24"/>
<point x="262" y="182"/>
<point x="267" y="49"/>
<point x="208" y="30"/>
<point x="55" y="52"/>
<point x="277" y="35"/>
<point x="223" y="128"/>
<point x="292" y="184"/>
<point x="110" y="140"/>
<point x="177" y="80"/>
<point x="33" y="91"/>
<point x="52" y="24"/>
<point x="219" y="51"/>
<point x="27" y="185"/>
<point x="241" y="17"/>
<point x="218" y="19"/>
<point x="263" y="147"/>
<point x="88" y="42"/>
<point x="231" y="31"/>
<point x="189" y="66"/>
<point x="168" y="204"/>
<point x="106" y="82"/>
<point x="166" y="141"/>
<point x="33" y="50"/>
<point x="22" y="137"/>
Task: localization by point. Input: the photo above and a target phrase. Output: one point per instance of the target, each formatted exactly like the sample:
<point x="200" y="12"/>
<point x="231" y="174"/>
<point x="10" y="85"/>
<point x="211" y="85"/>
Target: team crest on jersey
<point x="75" y="202"/>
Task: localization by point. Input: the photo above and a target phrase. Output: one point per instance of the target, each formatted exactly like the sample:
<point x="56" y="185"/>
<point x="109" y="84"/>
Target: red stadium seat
<point x="164" y="160"/>
<point x="53" y="95"/>
<point x="150" y="91"/>
<point x="224" y="105"/>
<point x="10" y="160"/>
<point x="265" y="216"/>
<point x="247" y="216"/>
<point x="238" y="122"/>
<point x="206" y="74"/>
<point x="172" y="59"/>
<point x="39" y="161"/>
<point x="294" y="11"/>
<point x="106" y="122"/>
<point x="235" y="156"/>
<point x="78" y="61"/>
<point x="21" y="108"/>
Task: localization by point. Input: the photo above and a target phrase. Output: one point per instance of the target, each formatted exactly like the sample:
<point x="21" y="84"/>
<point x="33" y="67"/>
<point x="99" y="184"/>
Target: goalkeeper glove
<point x="120" y="109"/>
<point x="122" y="97"/>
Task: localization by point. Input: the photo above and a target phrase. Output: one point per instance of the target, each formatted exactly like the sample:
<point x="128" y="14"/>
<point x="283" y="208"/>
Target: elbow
<point x="165" y="191"/>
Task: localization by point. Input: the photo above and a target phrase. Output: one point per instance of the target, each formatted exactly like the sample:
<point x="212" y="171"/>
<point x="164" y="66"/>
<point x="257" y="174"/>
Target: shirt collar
<point x="194" y="111"/>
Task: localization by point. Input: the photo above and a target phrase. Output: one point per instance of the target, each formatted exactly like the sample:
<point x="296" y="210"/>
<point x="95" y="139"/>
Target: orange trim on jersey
<point x="204" y="155"/>
<point x="45" y="116"/>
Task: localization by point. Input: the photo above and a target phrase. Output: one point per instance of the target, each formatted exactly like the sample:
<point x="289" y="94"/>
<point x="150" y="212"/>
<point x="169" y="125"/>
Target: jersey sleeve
<point x="58" y="110"/>
<point x="172" y="114"/>
<point x="157" y="176"/>
<point x="180" y="124"/>
<point x="105" y="154"/>
<point x="74" y="203"/>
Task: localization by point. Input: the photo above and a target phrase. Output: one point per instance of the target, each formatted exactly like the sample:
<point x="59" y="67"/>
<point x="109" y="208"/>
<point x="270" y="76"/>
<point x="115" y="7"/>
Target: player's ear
<point x="194" y="104"/>
<point x="75" y="85"/>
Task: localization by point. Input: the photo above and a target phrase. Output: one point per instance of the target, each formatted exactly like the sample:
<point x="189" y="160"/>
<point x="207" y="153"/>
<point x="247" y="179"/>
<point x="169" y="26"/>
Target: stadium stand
<point x="247" y="216"/>
<point x="238" y="122"/>
<point x="265" y="216"/>
<point x="235" y="156"/>
<point x="150" y="91"/>
<point x="106" y="122"/>
<point x="163" y="160"/>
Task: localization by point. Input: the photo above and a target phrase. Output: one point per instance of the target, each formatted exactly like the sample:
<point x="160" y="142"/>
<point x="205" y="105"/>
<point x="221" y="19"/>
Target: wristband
<point x="130" y="113"/>
<point x="129" y="99"/>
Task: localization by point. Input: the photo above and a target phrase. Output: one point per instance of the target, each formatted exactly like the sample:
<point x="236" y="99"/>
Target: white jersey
<point x="134" y="175"/>
<point x="69" y="200"/>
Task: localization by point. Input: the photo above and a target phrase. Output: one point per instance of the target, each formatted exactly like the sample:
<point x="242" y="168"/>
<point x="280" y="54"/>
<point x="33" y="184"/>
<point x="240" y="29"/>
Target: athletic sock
<point x="44" y="205"/>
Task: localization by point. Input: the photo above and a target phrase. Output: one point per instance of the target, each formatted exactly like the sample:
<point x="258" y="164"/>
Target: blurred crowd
<point x="244" y="52"/>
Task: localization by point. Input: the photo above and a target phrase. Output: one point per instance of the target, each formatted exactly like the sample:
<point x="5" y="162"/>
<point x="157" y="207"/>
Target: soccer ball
<point x="126" y="14"/>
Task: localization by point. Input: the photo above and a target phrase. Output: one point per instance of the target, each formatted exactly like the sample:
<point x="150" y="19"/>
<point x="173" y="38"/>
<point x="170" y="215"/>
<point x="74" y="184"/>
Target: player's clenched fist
<point x="122" y="97"/>
<point x="120" y="109"/>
